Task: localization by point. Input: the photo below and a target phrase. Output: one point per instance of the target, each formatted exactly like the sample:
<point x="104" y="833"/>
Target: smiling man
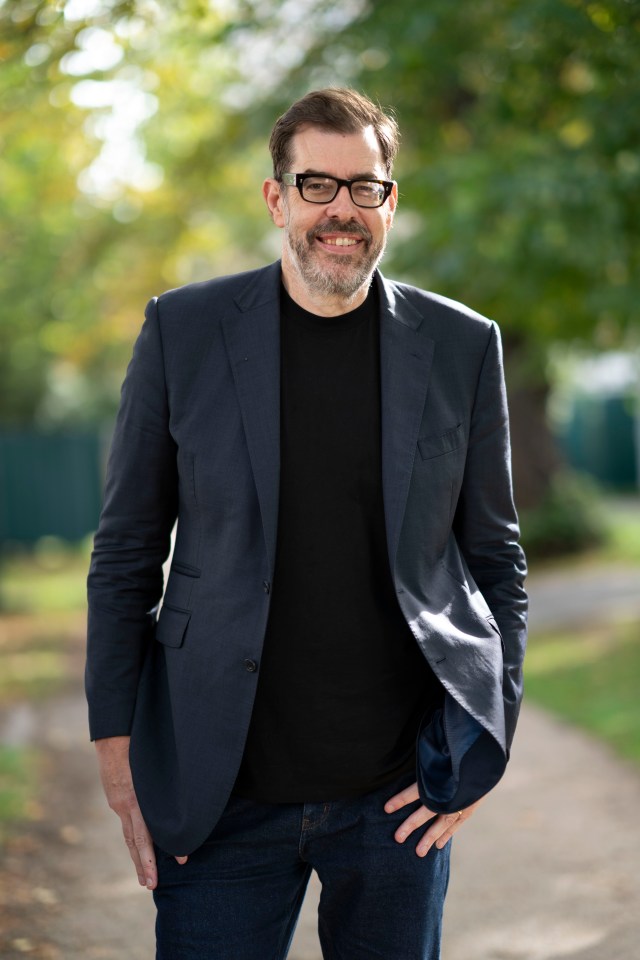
<point x="331" y="249"/>
<point x="334" y="676"/>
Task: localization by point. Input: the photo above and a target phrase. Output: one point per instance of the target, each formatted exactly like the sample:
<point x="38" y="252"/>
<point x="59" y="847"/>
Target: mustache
<point x="337" y="226"/>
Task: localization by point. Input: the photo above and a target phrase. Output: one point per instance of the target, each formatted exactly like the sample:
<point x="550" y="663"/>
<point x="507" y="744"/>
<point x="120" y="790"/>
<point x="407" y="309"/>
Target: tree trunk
<point x="535" y="453"/>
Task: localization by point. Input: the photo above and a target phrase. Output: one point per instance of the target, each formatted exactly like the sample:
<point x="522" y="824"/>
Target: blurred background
<point x="133" y="144"/>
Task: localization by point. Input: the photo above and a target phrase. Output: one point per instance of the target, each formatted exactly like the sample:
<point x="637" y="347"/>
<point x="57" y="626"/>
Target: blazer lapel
<point x="252" y="338"/>
<point x="405" y="365"/>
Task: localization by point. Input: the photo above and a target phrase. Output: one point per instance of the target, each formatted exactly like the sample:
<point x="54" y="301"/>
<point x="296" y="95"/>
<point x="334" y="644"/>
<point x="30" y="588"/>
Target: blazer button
<point x="266" y="586"/>
<point x="250" y="666"/>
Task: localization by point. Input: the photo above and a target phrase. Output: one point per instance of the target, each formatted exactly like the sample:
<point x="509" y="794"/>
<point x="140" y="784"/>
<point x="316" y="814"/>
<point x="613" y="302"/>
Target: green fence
<point x="600" y="438"/>
<point x="50" y="484"/>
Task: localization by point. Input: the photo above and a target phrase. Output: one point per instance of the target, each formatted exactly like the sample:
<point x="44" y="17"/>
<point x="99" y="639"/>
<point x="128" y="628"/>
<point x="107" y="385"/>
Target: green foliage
<point x="55" y="244"/>
<point x="590" y="678"/>
<point x="623" y="534"/>
<point x="133" y="143"/>
<point x="96" y="220"/>
<point x="569" y="519"/>
<point x="519" y="155"/>
<point x="17" y="781"/>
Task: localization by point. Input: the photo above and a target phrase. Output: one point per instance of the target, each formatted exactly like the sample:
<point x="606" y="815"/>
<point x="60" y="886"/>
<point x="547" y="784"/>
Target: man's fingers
<point x="417" y="819"/>
<point x="115" y="772"/>
<point x="140" y="845"/>
<point x="460" y="818"/>
<point x="440" y="832"/>
<point x="443" y="828"/>
<point x="409" y="795"/>
<point x="134" y="854"/>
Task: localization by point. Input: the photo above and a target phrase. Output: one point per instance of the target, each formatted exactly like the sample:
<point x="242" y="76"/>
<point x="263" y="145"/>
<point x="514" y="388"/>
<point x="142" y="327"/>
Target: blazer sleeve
<point x="133" y="538"/>
<point x="486" y="523"/>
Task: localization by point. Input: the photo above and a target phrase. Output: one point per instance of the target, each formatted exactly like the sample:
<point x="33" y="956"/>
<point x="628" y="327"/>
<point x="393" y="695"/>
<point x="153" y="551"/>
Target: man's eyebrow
<point x="356" y="176"/>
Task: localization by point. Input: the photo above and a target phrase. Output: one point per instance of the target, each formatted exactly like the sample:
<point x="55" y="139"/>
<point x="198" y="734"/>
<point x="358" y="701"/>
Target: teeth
<point x="342" y="241"/>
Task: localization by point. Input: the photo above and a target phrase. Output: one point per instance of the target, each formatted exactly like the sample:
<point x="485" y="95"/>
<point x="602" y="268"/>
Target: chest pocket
<point x="439" y="444"/>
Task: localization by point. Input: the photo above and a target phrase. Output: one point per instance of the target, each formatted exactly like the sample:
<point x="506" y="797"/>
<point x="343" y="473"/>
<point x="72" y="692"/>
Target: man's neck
<point x="322" y="305"/>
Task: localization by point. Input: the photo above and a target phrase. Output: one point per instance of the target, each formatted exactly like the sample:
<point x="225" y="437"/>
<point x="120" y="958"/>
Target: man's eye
<point x="367" y="189"/>
<point x="318" y="186"/>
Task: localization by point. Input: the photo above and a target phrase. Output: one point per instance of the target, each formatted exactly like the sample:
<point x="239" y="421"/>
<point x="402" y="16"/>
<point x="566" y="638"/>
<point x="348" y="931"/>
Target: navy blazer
<point x="197" y="439"/>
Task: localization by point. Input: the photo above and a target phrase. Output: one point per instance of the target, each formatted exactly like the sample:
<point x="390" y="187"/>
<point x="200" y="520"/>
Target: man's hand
<point x="441" y="830"/>
<point x="115" y="773"/>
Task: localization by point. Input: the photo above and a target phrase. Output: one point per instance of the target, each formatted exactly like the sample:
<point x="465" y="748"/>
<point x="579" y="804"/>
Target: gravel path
<point x="548" y="868"/>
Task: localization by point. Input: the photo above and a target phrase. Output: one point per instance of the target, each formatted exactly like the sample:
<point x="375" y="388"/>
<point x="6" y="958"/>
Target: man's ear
<point x="391" y="205"/>
<point x="273" y="198"/>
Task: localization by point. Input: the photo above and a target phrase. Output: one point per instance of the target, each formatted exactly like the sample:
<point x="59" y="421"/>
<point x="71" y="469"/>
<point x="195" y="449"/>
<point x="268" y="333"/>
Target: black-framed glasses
<point x="316" y="188"/>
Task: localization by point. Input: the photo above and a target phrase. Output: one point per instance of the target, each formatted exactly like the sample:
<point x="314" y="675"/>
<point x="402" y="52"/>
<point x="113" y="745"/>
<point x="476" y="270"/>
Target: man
<point x="336" y="665"/>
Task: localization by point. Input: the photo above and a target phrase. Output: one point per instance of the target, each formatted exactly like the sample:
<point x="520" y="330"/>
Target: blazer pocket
<point x="439" y="444"/>
<point x="186" y="569"/>
<point x="172" y="626"/>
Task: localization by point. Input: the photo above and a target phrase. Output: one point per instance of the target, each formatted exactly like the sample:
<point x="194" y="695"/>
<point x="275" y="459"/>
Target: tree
<point x="130" y="164"/>
<point x="519" y="173"/>
<point x="79" y="81"/>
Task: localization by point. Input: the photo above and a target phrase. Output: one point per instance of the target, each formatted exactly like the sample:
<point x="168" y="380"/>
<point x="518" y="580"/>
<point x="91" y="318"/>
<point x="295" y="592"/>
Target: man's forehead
<point x="313" y="146"/>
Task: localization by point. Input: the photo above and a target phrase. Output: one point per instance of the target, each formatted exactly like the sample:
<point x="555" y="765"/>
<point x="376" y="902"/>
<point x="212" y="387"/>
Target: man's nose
<point x="341" y="203"/>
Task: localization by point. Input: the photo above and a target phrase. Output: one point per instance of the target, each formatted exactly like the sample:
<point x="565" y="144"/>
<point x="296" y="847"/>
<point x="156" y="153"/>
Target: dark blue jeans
<point x="239" y="895"/>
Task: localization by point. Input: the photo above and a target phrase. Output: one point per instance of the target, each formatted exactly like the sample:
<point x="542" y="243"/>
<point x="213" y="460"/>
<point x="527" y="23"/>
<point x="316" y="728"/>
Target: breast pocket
<point x="436" y="445"/>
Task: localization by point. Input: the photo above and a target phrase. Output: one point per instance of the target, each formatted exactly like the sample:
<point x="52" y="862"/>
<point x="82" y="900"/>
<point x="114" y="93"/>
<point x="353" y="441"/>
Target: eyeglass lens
<point x="364" y="193"/>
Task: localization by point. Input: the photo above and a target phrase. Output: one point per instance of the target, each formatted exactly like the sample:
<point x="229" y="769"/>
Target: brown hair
<point x="336" y="109"/>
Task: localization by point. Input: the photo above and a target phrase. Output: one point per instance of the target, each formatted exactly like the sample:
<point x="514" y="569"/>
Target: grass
<point x="50" y="578"/>
<point x="590" y="677"/>
<point x="623" y="542"/>
<point x="42" y="602"/>
<point x="38" y="653"/>
<point x="18" y="777"/>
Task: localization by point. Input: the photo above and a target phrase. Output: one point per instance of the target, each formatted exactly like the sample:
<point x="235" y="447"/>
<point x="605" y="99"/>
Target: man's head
<point x="333" y="153"/>
<point x="335" y="110"/>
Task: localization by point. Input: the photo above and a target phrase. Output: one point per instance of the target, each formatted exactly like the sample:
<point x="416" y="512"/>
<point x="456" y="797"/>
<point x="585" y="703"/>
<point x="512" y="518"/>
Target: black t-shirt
<point x="342" y="683"/>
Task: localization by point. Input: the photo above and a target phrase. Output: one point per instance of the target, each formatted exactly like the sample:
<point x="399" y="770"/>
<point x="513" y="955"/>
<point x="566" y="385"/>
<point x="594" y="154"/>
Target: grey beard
<point x="343" y="279"/>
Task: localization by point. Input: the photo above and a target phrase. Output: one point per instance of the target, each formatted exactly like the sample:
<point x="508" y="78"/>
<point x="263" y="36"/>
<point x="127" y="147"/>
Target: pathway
<point x="548" y="868"/>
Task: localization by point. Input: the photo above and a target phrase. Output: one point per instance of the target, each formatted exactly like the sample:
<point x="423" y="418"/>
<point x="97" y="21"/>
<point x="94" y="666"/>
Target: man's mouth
<point x="342" y="237"/>
<point x="341" y="241"/>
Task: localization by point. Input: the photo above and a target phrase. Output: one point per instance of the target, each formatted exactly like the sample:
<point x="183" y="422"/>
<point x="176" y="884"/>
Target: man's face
<point x="330" y="250"/>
